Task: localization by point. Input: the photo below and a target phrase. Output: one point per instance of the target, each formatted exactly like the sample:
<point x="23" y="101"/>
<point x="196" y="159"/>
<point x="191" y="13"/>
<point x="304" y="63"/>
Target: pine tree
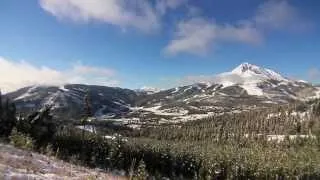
<point x="141" y="173"/>
<point x="316" y="108"/>
<point x="7" y="117"/>
<point x="87" y="113"/>
<point x="40" y="125"/>
<point x="0" y="105"/>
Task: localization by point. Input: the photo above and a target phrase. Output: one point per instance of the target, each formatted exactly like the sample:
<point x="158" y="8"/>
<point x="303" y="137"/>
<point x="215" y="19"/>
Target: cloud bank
<point x="162" y="6"/>
<point x="197" y="35"/>
<point x="314" y="74"/>
<point x="15" y="75"/>
<point x="124" y="13"/>
<point x="139" y="14"/>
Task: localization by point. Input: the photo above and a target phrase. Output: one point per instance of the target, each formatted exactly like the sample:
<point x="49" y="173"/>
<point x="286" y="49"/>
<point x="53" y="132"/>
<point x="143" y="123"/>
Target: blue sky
<point x="155" y="43"/>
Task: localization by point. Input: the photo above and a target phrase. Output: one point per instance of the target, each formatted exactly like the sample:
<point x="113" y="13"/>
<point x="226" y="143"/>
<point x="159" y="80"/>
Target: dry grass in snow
<point x="16" y="164"/>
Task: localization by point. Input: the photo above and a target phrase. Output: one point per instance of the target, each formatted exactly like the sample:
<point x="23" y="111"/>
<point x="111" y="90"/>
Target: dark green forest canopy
<point x="230" y="146"/>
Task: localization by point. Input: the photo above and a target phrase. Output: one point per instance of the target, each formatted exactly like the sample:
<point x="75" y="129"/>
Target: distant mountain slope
<point x="68" y="100"/>
<point x="246" y="83"/>
<point x="247" y="86"/>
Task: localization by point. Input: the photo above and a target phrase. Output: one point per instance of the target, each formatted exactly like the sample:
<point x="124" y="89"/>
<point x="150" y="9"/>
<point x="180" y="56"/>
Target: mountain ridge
<point x="247" y="86"/>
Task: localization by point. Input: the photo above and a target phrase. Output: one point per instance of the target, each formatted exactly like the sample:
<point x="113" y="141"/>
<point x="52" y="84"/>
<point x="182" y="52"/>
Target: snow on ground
<point x="115" y="137"/>
<point x="172" y="115"/>
<point x="280" y="138"/>
<point x="269" y="102"/>
<point x="288" y="94"/>
<point x="252" y="89"/>
<point x="250" y="70"/>
<point x="318" y="92"/>
<point x="187" y="89"/>
<point x="192" y="117"/>
<point x="52" y="99"/>
<point x="110" y="137"/>
<point x="315" y="95"/>
<point x="249" y="76"/>
<point x="24" y="165"/>
<point x="175" y="90"/>
<point x="301" y="115"/>
<point x="63" y="88"/>
<point x="121" y="103"/>
<point x="166" y="112"/>
<point x="27" y="94"/>
<point x="227" y="83"/>
<point x="57" y="100"/>
<point x="135" y="126"/>
<point x="126" y="120"/>
<point x="88" y="128"/>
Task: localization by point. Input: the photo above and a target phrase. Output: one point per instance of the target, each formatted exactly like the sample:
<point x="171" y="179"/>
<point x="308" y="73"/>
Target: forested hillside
<point x="280" y="142"/>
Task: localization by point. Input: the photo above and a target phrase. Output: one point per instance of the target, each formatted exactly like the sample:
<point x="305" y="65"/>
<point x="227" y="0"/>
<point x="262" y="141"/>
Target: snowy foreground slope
<point x="24" y="165"/>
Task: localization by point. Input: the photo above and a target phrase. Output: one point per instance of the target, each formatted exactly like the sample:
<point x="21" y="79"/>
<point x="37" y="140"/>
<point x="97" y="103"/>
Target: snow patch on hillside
<point x="88" y="128"/>
<point x="166" y="112"/>
<point x="280" y="138"/>
<point x="187" y="89"/>
<point x="29" y="93"/>
<point x="63" y="88"/>
<point x="315" y="95"/>
<point x="252" y="89"/>
<point x="175" y="90"/>
<point x="318" y="92"/>
<point x="56" y="100"/>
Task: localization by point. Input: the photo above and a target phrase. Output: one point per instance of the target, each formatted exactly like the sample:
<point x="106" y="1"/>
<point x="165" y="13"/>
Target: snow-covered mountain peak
<point x="250" y="70"/>
<point x="244" y="67"/>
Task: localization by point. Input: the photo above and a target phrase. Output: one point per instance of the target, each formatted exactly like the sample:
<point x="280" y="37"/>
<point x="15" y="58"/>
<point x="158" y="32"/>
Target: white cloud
<point x="193" y="36"/>
<point x="242" y="32"/>
<point x="197" y="35"/>
<point x="163" y="5"/>
<point x="224" y="78"/>
<point x="314" y="74"/>
<point x="277" y="15"/>
<point x="124" y="13"/>
<point x="149" y="88"/>
<point x="193" y="10"/>
<point x="15" y="75"/>
<point x="192" y="79"/>
<point x="81" y="69"/>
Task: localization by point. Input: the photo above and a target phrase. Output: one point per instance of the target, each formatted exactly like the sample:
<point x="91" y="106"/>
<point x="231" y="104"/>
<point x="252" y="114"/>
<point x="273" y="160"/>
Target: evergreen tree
<point x="0" y="105"/>
<point x="316" y="108"/>
<point x="7" y="117"/>
<point x="141" y="173"/>
<point x="87" y="113"/>
<point x="39" y="125"/>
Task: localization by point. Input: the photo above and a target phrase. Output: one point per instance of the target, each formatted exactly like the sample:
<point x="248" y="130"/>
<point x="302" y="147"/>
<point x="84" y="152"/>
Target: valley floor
<point x="24" y="165"/>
